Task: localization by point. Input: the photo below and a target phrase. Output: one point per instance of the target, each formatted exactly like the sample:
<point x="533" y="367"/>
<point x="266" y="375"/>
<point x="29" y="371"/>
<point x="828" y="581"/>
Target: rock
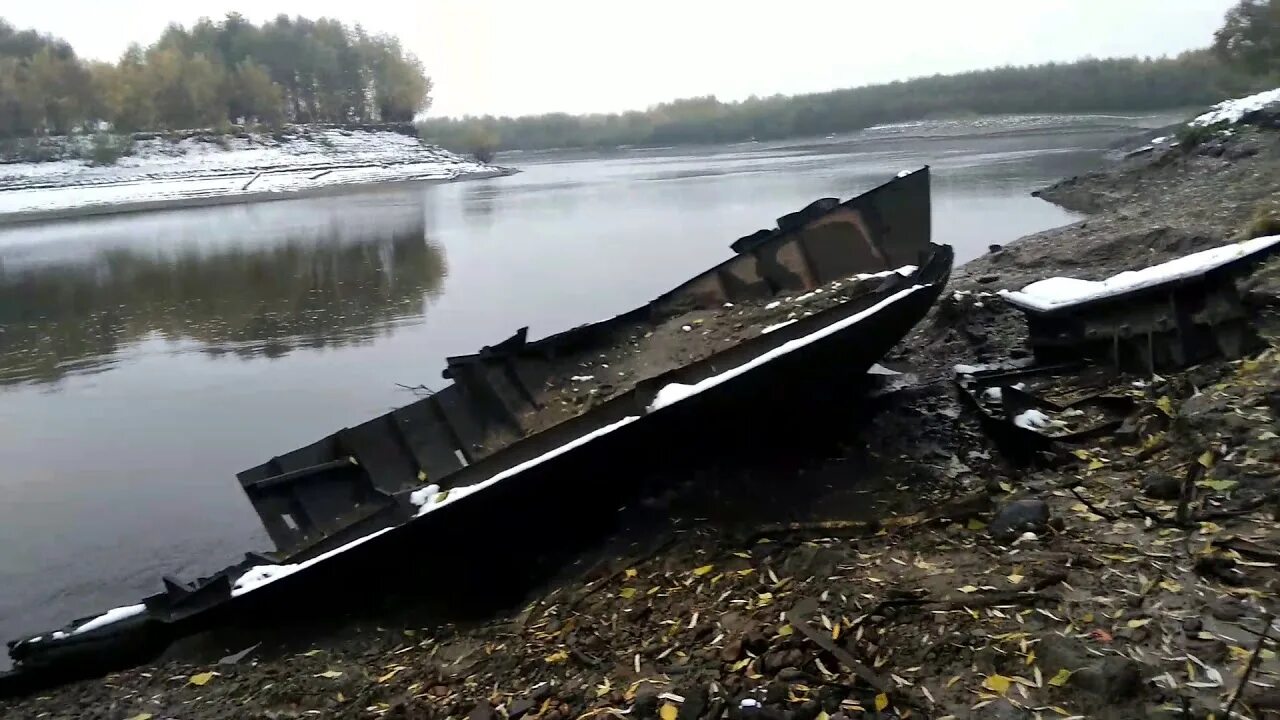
<point x="1056" y="652"/>
<point x="1017" y="517"/>
<point x="482" y="711"/>
<point x="994" y="248"/>
<point x="1000" y="709"/>
<point x="695" y="701"/>
<point x="521" y="707"/>
<point x="646" y="704"/>
<point x="732" y="650"/>
<point x="988" y="279"/>
<point x="1161" y="487"/>
<point x="1114" y="678"/>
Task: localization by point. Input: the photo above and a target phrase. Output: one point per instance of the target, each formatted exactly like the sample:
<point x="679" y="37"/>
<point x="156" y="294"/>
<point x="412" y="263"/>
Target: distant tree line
<point x="1129" y="84"/>
<point x="215" y="73"/>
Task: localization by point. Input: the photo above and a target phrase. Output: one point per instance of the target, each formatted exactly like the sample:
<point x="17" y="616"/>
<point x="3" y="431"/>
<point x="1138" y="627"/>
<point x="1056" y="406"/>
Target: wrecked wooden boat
<point x="1161" y="317"/>
<point x="543" y="439"/>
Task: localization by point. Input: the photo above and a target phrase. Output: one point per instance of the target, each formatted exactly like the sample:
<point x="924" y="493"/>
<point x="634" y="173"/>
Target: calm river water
<point x="145" y="359"/>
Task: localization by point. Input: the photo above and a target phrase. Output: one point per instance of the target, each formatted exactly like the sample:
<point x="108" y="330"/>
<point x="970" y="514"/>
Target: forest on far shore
<point x="1244" y="57"/>
<point x="210" y="75"/>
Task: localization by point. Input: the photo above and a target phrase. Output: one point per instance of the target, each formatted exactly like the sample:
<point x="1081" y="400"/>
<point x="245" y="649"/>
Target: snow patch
<point x="1032" y="419"/>
<point x="1059" y="292"/>
<point x="1232" y="111"/>
<point x="196" y="168"/>
<point x="768" y="329"/>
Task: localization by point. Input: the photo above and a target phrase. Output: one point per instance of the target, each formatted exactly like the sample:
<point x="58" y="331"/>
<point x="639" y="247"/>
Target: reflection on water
<point x="243" y="286"/>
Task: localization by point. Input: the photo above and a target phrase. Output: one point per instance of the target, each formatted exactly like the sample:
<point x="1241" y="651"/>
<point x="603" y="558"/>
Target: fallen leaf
<point x="668" y="711"/>
<point x="1060" y="678"/>
<point x="1015" y="578"/>
<point x="557" y="657"/>
<point x="785" y="630"/>
<point x="997" y="684"/>
<point x="627" y="593"/>
<point x="703" y="570"/>
<point x="968" y="589"/>
<point x="390" y="675"/>
<point x="1136" y="623"/>
<point x="975" y="524"/>
<point x="329" y="674"/>
<point x="631" y="572"/>
<point x="201" y="678"/>
<point x="1165" y="405"/>
<point x="882" y="702"/>
<point x="740" y="664"/>
<point x="1206" y="458"/>
<point x="140" y="716"/>
<point x="1219" y="485"/>
<point x="1171" y="585"/>
<point x="1006" y="487"/>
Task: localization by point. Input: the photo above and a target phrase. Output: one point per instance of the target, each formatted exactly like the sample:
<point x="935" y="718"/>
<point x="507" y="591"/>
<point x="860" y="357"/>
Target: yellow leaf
<point x="331" y="674"/>
<point x="1060" y="678"/>
<point x="1096" y="464"/>
<point x="1219" y="485"/>
<point x="1171" y="586"/>
<point x="703" y="570"/>
<point x="835" y="631"/>
<point x="1138" y="623"/>
<point x="822" y="715"/>
<point x="746" y="572"/>
<point x="740" y="664"/>
<point x="746" y="555"/>
<point x="997" y="684"/>
<point x="785" y="630"/>
<point x="141" y="716"/>
<point x="1087" y="617"/>
<point x="390" y="675"/>
<point x="1031" y="657"/>
<point x="975" y="524"/>
<point x="954" y="679"/>
<point x="668" y="712"/>
<point x="1165" y="405"/>
<point x="309" y="653"/>
<point x="882" y="702"/>
<point x="631" y="572"/>
<point x="1006" y="487"/>
<point x="628" y="592"/>
<point x="557" y="657"/>
<point x="1082" y="454"/>
<point x="201" y="678"/>
<point x="1015" y="578"/>
<point x="341" y="697"/>
<point x="1206" y="458"/>
<point x="968" y="589"/>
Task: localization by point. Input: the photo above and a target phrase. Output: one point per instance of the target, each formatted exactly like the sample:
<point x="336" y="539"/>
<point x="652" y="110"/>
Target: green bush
<point x="1190" y="136"/>
<point x="107" y="149"/>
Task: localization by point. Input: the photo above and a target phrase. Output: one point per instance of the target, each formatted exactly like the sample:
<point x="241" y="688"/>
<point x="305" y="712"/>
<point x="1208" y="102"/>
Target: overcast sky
<point x="530" y="56"/>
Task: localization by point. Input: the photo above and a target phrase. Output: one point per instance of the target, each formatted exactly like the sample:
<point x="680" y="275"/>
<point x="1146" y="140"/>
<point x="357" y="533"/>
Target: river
<point x="145" y="359"/>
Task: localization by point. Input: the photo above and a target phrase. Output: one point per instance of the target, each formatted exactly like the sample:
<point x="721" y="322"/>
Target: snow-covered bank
<point x="206" y="169"/>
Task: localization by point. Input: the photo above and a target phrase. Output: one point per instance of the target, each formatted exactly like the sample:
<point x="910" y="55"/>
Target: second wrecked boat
<point x="528" y="443"/>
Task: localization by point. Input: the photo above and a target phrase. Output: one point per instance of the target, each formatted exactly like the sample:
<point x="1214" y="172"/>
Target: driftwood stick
<point x="1248" y="669"/>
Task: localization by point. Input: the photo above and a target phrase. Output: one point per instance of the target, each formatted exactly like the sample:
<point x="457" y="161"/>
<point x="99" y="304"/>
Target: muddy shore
<point x="875" y="563"/>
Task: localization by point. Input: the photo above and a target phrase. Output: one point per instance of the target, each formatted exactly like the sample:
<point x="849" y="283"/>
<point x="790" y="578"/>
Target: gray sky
<point x="530" y="56"/>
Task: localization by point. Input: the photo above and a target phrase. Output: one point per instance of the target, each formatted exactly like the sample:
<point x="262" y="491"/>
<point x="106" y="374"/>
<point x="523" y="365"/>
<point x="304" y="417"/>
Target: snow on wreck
<point x="536" y="443"/>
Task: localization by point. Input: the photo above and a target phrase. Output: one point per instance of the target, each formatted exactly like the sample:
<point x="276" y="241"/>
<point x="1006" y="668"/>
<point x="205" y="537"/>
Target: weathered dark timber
<point x="1166" y="326"/>
<point x="542" y="509"/>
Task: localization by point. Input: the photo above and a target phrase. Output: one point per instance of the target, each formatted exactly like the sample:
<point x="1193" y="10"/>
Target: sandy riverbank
<point x="197" y="169"/>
